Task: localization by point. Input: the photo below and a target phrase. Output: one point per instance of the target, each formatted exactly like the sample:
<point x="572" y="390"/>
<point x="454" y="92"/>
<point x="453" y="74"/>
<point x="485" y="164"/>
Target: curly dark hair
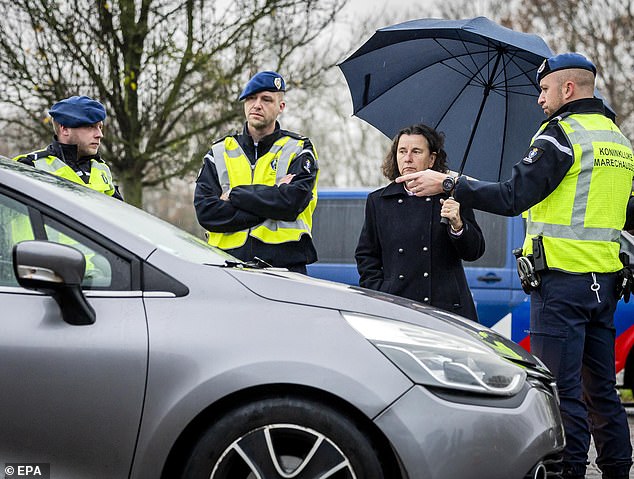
<point x="436" y="141"/>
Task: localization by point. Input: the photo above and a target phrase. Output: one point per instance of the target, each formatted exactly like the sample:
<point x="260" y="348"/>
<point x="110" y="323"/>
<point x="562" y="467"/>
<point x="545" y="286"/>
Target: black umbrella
<point x="472" y="79"/>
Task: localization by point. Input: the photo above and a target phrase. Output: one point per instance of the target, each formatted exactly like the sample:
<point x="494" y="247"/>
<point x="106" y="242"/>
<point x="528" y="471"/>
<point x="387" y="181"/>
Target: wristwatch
<point x="448" y="184"/>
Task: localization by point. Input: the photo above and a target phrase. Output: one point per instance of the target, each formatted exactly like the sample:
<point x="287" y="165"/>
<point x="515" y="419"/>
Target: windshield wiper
<point x="255" y="263"/>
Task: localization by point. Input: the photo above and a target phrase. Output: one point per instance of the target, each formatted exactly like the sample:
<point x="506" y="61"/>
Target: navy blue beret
<point x="77" y="111"/>
<point x="263" y="81"/>
<point x="565" y="61"/>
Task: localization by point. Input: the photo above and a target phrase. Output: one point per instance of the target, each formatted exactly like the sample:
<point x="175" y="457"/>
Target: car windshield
<point x="168" y="237"/>
<point x="121" y="215"/>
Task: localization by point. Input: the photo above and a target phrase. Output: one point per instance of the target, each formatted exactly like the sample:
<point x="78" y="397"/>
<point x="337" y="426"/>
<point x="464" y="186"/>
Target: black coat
<point x="405" y="250"/>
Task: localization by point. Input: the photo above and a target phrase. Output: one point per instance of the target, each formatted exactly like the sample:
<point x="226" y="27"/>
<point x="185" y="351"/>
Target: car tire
<point x="283" y="438"/>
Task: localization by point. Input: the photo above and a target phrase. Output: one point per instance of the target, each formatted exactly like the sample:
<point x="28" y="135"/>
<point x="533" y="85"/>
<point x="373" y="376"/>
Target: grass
<point x="626" y="395"/>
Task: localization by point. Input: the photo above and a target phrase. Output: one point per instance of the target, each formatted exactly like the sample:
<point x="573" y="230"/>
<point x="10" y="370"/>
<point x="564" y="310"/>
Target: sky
<point x="394" y="5"/>
<point x="383" y="13"/>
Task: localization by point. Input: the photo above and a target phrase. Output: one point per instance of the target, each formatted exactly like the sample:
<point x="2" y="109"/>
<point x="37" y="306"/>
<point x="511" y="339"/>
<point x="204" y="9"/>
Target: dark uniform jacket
<point x="68" y="154"/>
<point x="250" y="205"/>
<point x="532" y="178"/>
<point x="405" y="250"/>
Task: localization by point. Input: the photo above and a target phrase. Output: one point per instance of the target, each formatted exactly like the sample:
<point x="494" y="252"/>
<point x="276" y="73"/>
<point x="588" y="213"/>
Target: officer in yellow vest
<point x="73" y="154"/>
<point x="575" y="182"/>
<point x="257" y="190"/>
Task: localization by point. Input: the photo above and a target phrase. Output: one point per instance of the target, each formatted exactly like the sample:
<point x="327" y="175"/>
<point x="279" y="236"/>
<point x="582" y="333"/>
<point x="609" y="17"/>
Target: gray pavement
<point x="593" y="471"/>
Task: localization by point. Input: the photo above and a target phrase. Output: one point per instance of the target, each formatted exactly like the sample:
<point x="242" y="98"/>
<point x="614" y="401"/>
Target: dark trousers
<point x="573" y="334"/>
<point x="298" y="268"/>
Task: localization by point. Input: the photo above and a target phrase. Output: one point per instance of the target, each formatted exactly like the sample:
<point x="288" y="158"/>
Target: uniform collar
<point x="584" y="105"/>
<point x="394" y="189"/>
<point x="265" y="143"/>
<point x="68" y="154"/>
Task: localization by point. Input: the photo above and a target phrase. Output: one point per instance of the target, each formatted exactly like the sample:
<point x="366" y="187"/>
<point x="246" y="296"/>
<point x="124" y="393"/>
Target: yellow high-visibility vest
<point x="581" y="221"/>
<point x="235" y="169"/>
<point x="100" y="175"/>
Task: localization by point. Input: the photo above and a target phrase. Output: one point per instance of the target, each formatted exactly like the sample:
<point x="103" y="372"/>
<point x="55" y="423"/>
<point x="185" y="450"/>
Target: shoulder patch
<point x="308" y="164"/>
<point x="532" y="155"/>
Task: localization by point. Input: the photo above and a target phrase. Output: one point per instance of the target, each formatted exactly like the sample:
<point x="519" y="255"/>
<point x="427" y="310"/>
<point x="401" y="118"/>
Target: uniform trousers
<point x="572" y="332"/>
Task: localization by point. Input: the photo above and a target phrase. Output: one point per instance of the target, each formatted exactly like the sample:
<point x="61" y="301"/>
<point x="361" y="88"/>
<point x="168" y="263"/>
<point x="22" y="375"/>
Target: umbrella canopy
<point x="472" y="79"/>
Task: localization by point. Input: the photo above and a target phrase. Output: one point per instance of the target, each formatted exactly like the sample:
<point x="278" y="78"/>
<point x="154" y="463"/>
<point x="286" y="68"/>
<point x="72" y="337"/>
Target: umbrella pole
<point x="485" y="95"/>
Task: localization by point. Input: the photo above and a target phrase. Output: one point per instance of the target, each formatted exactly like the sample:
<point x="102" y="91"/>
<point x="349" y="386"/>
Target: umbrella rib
<point x="470" y="78"/>
<point x="523" y="72"/>
<point x="476" y="77"/>
<point x="442" y="61"/>
<point x="492" y="51"/>
<point x="481" y="80"/>
<point x="458" y="58"/>
<point x="509" y="58"/>
<point x="460" y="92"/>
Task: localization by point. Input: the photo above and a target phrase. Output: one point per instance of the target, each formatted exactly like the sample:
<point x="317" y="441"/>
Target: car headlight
<point x="435" y="358"/>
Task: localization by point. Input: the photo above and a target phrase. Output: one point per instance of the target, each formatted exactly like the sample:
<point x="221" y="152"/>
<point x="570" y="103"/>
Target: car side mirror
<point x="57" y="270"/>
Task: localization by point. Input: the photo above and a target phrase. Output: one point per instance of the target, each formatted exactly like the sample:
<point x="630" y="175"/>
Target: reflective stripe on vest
<point x="100" y="176"/>
<point x="581" y="220"/>
<point x="234" y="169"/>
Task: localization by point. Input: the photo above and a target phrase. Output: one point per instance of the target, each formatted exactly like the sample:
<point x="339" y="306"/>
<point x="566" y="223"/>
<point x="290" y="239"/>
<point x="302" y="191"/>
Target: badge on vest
<point x="308" y="164"/>
<point x="533" y="155"/>
<point x="274" y="164"/>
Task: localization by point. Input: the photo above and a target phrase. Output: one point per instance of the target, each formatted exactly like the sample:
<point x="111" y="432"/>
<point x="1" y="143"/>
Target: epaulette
<point x="558" y="118"/>
<point x="292" y="134"/>
<point x="33" y="156"/>
<point x="223" y="138"/>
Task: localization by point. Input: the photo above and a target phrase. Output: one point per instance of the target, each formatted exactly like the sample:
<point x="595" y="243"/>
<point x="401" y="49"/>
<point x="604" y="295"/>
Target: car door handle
<point x="490" y="278"/>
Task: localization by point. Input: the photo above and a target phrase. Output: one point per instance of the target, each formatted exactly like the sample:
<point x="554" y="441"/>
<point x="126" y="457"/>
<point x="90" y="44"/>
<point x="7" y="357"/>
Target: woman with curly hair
<point x="404" y="248"/>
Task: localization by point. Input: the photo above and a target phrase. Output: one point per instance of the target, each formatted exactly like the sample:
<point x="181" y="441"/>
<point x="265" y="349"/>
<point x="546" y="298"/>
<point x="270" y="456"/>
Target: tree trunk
<point x="132" y="190"/>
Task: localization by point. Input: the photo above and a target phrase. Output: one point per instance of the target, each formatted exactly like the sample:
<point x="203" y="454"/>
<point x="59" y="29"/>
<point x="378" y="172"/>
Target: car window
<point x="121" y="216"/>
<point x="15" y="226"/>
<point x="495" y="230"/>
<point x="337" y="226"/>
<point x="104" y="269"/>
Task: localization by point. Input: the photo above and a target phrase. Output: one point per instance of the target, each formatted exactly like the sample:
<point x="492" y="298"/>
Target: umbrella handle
<point x="443" y="220"/>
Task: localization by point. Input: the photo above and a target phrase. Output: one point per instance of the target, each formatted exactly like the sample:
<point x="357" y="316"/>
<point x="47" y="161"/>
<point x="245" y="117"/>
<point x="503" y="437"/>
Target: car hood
<point x="284" y="286"/>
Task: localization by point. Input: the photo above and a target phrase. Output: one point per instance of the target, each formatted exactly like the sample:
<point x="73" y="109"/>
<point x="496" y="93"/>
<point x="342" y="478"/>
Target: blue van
<point x="500" y="300"/>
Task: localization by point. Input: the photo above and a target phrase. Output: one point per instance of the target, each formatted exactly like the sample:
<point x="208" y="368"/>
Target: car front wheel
<point x="283" y="438"/>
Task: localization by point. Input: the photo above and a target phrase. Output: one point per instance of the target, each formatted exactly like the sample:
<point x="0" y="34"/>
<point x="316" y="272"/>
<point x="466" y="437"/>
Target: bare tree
<point x="603" y="30"/>
<point x="168" y="71"/>
<point x="351" y="151"/>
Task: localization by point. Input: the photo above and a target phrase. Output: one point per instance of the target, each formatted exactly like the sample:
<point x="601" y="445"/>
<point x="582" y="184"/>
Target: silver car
<point x="131" y="349"/>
